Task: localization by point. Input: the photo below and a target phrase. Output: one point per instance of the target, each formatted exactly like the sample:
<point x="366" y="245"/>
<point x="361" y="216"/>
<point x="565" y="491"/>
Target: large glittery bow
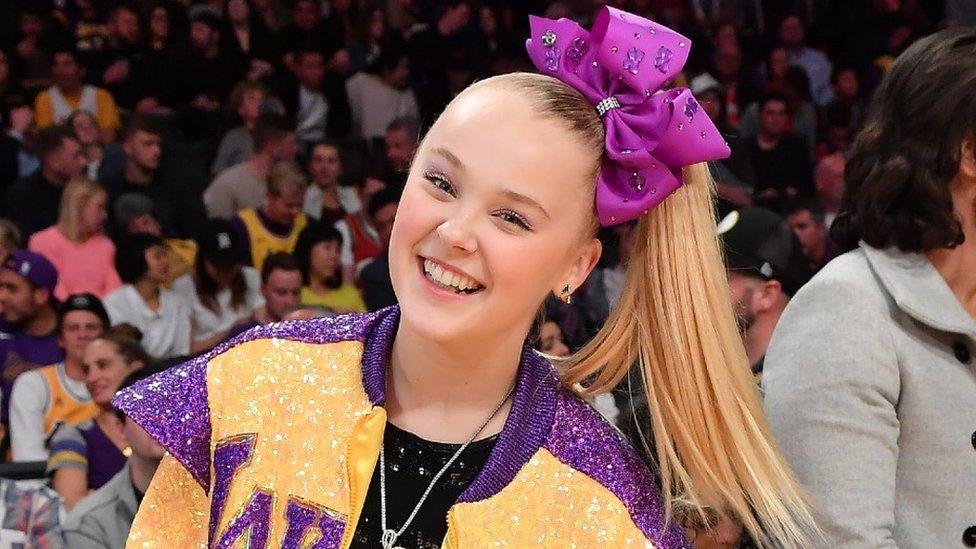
<point x="621" y="66"/>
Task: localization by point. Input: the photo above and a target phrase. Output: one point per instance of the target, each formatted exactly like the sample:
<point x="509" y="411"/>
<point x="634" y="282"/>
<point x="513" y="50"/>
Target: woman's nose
<point x="457" y="232"/>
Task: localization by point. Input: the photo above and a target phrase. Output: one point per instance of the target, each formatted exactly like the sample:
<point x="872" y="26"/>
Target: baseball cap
<point x="219" y="244"/>
<point x="760" y="243"/>
<point x="34" y="267"/>
<point x="129" y="206"/>
<point x="84" y="302"/>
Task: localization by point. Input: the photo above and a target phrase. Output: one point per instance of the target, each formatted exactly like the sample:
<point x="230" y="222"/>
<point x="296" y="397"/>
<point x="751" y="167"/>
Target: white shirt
<point x="314" y="198"/>
<point x="311" y="117"/>
<point x="166" y="332"/>
<point x="374" y="105"/>
<point x="207" y="323"/>
<point x="29" y="402"/>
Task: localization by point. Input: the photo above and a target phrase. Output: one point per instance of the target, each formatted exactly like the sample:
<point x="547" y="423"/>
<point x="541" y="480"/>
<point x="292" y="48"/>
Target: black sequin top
<point x="411" y="463"/>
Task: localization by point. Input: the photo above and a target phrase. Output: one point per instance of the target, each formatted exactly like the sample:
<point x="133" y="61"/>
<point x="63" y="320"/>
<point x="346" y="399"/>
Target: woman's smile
<point x="447" y="280"/>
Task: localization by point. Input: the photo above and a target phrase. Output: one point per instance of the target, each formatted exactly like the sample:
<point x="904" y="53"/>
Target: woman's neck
<point x="443" y="391"/>
<point x="317" y="284"/>
<point x="957" y="265"/>
<point x="149" y="291"/>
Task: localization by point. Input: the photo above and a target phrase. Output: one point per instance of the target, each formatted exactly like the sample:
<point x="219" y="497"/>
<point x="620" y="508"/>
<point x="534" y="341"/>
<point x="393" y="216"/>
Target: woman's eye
<point x="509" y="216"/>
<point x="440" y="181"/>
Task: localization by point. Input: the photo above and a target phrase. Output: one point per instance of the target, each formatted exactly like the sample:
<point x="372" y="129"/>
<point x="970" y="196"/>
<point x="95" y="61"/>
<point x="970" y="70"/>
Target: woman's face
<point x="86" y="129"/>
<point x="157" y="258"/>
<point x="159" y="23"/>
<point x="105" y="369"/>
<point x="237" y="10"/>
<point x="494" y="216"/>
<point x="4" y="68"/>
<point x="487" y="21"/>
<point x="222" y="276"/>
<point x="324" y="261"/>
<point x="551" y="339"/>
<point x="377" y="25"/>
<point x="325" y="165"/>
<point x="779" y="63"/>
<point x="94" y="213"/>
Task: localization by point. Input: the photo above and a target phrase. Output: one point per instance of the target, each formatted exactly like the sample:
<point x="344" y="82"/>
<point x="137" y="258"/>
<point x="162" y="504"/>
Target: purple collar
<point x="528" y="423"/>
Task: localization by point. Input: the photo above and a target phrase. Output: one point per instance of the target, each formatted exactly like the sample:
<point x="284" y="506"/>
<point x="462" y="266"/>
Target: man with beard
<point x="765" y="266"/>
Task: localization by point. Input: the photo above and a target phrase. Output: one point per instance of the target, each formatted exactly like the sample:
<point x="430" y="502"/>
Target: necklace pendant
<point x="388" y="539"/>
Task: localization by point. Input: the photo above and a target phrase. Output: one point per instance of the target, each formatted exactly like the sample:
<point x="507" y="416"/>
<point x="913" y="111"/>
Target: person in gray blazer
<point x="870" y="381"/>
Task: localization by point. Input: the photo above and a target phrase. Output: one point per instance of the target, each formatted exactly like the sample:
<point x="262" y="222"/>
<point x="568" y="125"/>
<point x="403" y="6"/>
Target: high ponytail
<point x="674" y="320"/>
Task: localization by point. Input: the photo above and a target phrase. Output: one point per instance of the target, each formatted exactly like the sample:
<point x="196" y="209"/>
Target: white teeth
<point x="447" y="278"/>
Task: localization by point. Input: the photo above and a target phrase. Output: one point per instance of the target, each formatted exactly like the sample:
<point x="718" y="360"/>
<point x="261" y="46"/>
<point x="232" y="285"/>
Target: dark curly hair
<point x="897" y="190"/>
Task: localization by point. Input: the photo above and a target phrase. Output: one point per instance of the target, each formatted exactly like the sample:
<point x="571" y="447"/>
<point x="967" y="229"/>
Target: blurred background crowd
<point x="174" y="172"/>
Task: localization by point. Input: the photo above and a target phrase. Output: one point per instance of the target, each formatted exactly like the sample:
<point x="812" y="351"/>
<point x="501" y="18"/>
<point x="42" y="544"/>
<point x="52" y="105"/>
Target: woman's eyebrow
<point x="451" y="157"/>
<point x="507" y="193"/>
<point x="527" y="200"/>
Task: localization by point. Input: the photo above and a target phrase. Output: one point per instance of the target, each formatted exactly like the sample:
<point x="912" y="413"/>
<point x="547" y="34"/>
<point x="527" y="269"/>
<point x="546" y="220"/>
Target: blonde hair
<point x="77" y="193"/>
<point x="286" y="176"/>
<point x="715" y="455"/>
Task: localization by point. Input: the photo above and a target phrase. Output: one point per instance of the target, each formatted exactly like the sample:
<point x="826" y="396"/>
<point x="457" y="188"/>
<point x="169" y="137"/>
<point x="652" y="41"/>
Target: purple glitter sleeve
<point x="172" y="407"/>
<point x="582" y="439"/>
<point x="525" y="429"/>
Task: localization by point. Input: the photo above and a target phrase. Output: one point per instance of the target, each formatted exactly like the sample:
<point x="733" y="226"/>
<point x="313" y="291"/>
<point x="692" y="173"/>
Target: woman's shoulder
<point x="596" y="468"/>
<point x="174" y="406"/>
<point x="46" y="239"/>
<point x="847" y="281"/>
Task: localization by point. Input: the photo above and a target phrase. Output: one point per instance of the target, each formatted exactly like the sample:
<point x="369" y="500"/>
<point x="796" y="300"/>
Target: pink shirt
<point x="88" y="266"/>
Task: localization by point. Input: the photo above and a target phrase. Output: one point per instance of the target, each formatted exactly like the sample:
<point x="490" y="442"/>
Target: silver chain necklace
<point x="390" y="536"/>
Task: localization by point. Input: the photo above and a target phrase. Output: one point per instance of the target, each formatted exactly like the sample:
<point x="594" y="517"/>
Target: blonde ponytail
<point x="674" y="319"/>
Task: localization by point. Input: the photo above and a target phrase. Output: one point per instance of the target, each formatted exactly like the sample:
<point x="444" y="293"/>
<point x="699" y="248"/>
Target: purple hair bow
<point x="621" y="66"/>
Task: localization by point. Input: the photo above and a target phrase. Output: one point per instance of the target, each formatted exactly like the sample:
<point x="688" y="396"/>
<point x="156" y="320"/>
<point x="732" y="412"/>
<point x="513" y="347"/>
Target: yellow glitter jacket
<point x="272" y="439"/>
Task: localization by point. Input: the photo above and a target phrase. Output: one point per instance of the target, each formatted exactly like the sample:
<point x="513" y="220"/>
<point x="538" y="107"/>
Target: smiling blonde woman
<point x="435" y="423"/>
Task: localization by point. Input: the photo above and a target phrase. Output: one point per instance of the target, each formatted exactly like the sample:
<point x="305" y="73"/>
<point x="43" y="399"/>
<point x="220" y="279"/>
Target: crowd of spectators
<point x="175" y="172"/>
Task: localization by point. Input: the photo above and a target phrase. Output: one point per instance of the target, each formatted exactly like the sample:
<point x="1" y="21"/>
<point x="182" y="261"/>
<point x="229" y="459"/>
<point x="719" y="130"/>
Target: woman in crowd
<point x="161" y="314"/>
<point x="77" y="246"/>
<point x="318" y="254"/>
<point x="869" y="378"/>
<point x="220" y="290"/>
<point x="433" y="423"/>
<point x="325" y="199"/>
<point x="9" y="238"/>
<point x="87" y="455"/>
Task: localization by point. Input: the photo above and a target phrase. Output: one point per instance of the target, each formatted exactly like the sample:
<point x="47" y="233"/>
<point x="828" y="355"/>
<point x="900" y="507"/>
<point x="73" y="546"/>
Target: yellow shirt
<point x="107" y="115"/>
<point x="343" y="299"/>
<point x="263" y="241"/>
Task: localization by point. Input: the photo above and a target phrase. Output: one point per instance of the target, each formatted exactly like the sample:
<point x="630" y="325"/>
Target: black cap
<point x="219" y="244"/>
<point x="760" y="243"/>
<point x="83" y="302"/>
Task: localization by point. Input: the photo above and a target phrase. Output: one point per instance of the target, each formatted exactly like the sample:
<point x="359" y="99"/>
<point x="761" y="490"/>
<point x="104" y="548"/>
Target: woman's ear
<point x="967" y="157"/>
<point x="582" y="265"/>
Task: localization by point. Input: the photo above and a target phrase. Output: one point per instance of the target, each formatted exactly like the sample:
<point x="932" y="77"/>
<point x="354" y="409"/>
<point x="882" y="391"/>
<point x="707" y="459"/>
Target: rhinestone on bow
<point x="552" y="56"/>
<point x="609" y="103"/>
<point x="662" y="59"/>
<point x="576" y="52"/>
<point x="691" y="107"/>
<point x="633" y="61"/>
<point x="637" y="181"/>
